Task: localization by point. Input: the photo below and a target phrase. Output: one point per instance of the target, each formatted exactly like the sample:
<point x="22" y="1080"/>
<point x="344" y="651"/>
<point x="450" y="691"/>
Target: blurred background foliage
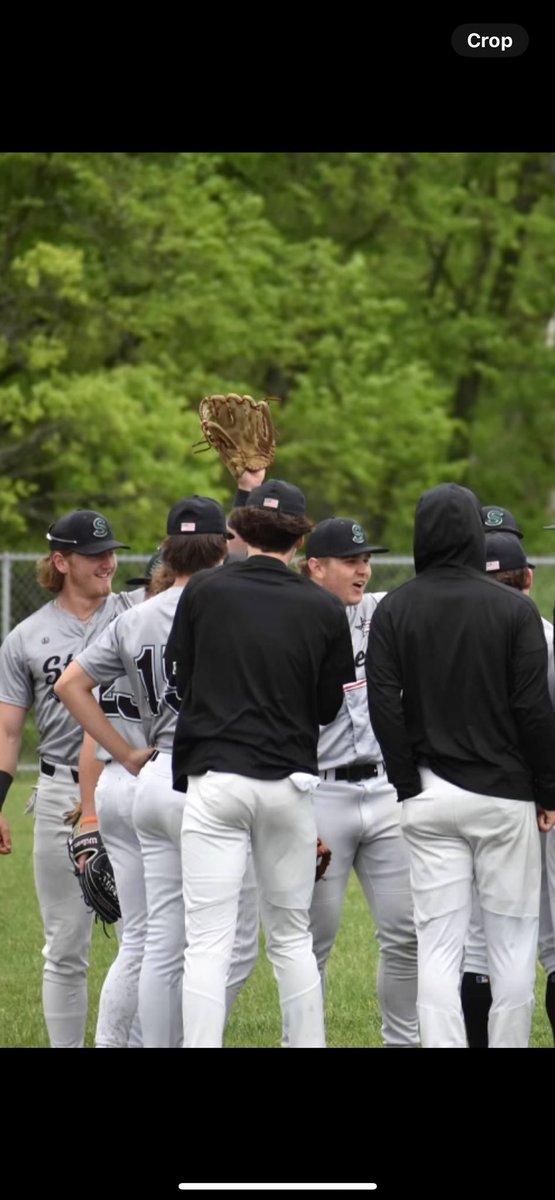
<point x="400" y="305"/>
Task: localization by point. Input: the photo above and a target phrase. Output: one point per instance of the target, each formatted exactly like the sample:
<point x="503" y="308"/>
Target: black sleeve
<point x="240" y="499"/>
<point x="338" y="668"/>
<point x="531" y="704"/>
<point x="385" y="703"/>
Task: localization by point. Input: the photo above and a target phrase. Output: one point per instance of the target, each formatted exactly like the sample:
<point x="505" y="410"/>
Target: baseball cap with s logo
<point x="83" y="531"/>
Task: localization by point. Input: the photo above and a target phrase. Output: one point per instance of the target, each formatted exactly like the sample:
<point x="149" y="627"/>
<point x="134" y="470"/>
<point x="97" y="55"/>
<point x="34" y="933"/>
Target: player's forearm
<point x="388" y="722"/>
<point x="9" y="753"/>
<point x="90" y="770"/>
<point x="11" y="730"/>
<point x="10" y="745"/>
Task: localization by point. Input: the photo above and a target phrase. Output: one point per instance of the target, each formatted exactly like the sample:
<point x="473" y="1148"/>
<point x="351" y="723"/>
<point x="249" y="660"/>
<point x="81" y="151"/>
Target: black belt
<point x="354" y="772"/>
<point x="50" y="769"/>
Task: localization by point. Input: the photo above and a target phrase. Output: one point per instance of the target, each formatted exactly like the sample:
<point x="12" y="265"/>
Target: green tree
<point x="131" y="285"/>
<point x="465" y="241"/>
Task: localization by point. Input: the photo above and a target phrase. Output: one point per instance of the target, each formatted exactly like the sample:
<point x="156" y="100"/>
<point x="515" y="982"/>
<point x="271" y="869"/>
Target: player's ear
<point x="60" y="562"/>
<point x="315" y="567"/>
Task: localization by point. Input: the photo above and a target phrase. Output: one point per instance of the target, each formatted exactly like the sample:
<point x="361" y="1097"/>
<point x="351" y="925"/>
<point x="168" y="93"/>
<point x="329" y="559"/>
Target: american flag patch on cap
<point x="493" y="565"/>
<point x="270" y="502"/>
<point x="188" y="526"/>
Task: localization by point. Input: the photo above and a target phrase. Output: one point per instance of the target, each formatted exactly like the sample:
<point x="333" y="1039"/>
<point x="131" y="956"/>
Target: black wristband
<point x="6" y="781"/>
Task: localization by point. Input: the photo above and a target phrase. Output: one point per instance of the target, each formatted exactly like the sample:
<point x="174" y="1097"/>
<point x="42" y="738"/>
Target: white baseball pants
<point x="550" y="873"/>
<point x="158" y="816"/>
<point x="221" y="813"/>
<point x="475" y="950"/>
<point x="455" y="836"/>
<point x="360" y="824"/>
<point x="118" y="1025"/>
<point x="67" y="922"/>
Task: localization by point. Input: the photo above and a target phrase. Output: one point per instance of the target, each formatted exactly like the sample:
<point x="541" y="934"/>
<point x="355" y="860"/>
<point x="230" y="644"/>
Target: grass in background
<point x="352" y="1013"/>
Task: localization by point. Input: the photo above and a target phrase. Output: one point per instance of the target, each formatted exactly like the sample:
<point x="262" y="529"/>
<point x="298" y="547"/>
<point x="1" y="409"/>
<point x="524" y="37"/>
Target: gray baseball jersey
<point x="134" y="644"/>
<point x="117" y="701"/>
<point x="548" y="630"/>
<point x="32" y="659"/>
<point x="349" y="738"/>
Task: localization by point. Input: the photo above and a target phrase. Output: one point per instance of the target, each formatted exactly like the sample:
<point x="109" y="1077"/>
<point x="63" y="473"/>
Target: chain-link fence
<point x="20" y="595"/>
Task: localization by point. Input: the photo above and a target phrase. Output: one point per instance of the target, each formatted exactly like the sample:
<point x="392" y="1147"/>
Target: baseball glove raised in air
<point x="323" y="858"/>
<point x="240" y="429"/>
<point x="97" y="880"/>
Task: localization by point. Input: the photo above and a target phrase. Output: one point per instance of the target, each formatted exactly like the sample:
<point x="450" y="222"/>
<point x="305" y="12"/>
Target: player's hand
<point x="249" y="480"/>
<point x="136" y="759"/>
<point x="546" y="819"/>
<point x="91" y="827"/>
<point x="5" y="836"/>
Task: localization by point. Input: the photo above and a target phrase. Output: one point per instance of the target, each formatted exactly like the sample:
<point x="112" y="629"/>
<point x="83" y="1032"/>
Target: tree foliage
<point x="397" y="303"/>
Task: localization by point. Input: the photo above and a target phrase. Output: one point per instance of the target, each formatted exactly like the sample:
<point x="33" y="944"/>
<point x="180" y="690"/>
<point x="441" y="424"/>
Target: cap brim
<point x="144" y="582"/>
<point x="356" y="550"/>
<point x="531" y="565"/>
<point x="100" y="547"/>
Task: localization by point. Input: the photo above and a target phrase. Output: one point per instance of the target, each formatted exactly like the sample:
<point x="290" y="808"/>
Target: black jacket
<point x="261" y="655"/>
<point x="457" y="666"/>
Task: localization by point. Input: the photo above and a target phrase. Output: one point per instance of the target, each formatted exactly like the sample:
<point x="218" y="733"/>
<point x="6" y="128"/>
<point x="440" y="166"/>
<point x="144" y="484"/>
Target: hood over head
<point x="448" y="529"/>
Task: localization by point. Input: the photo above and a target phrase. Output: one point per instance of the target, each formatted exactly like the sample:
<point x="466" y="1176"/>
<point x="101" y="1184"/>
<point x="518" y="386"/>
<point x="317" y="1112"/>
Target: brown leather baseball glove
<point x="240" y="429"/>
<point x="323" y="858"/>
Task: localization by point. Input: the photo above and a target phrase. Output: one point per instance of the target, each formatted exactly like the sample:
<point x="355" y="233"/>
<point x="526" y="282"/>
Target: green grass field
<point x="352" y="1013"/>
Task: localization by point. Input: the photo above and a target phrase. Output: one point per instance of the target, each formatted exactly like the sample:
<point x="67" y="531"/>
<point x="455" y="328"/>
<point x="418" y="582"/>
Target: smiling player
<point x="357" y="814"/>
<point x="78" y="573"/>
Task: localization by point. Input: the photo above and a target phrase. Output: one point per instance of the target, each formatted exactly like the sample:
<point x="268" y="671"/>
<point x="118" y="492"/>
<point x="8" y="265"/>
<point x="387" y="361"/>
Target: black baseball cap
<point x="83" y="532"/>
<point x="278" y="496"/>
<point x="499" y="520"/>
<point x="340" y="537"/>
<point x="197" y="514"/>
<point x="144" y="580"/>
<point x="504" y="552"/>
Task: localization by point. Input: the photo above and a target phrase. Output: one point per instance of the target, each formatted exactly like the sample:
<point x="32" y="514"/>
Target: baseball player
<point x="457" y="690"/>
<point x="357" y="814"/>
<point x="197" y="539"/>
<point x="78" y="573"/>
<point x="245" y="753"/>
<point x="107" y="803"/>
<point x="550" y="849"/>
<point x="506" y="561"/>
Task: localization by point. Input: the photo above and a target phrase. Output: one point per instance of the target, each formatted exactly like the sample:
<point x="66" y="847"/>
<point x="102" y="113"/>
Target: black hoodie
<point x="457" y="666"/>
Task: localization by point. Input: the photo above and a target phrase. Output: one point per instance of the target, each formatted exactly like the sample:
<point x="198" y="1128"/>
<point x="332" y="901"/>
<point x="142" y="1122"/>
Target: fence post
<point x="6" y="594"/>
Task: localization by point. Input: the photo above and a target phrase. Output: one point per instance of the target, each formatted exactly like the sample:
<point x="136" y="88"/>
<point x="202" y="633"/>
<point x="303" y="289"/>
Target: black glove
<point x="97" y="881"/>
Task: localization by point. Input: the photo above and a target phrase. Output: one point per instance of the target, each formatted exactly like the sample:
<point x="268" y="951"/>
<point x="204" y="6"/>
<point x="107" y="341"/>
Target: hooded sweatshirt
<point x="457" y="666"/>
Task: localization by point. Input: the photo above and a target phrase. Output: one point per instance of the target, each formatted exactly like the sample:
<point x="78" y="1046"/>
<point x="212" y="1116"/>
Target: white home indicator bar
<point x="277" y="1187"/>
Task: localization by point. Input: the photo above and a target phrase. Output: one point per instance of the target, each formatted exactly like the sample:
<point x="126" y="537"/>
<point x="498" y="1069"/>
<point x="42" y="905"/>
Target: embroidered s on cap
<point x="83" y="531"/>
<point x="499" y="520"/>
<point x="197" y="514"/>
<point x="276" y="495"/>
<point x="339" y="537"/>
